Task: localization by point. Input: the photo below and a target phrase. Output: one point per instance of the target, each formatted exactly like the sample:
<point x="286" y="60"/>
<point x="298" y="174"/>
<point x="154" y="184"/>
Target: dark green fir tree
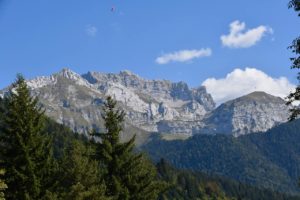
<point x="81" y="175"/>
<point x="25" y="149"/>
<point x="128" y="175"/>
<point x="295" y="47"/>
<point x="3" y="185"/>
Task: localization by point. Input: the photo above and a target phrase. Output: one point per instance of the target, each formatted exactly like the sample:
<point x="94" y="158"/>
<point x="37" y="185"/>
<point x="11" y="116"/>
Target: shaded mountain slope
<point x="269" y="160"/>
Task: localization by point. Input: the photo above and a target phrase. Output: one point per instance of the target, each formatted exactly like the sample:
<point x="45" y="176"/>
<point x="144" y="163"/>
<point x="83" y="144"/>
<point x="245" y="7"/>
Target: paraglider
<point x="113" y="8"/>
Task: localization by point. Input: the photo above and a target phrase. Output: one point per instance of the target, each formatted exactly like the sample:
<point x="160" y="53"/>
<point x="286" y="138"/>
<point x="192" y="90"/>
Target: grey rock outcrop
<point x="148" y="102"/>
<point x="255" y="112"/>
<point x="75" y="100"/>
<point x="152" y="105"/>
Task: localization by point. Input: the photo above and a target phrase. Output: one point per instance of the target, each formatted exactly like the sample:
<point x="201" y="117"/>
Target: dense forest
<point x="182" y="184"/>
<point x="268" y="160"/>
<point x="188" y="184"/>
<point x="41" y="159"/>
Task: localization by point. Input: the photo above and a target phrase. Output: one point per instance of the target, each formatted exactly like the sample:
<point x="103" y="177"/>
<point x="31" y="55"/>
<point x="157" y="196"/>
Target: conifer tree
<point x="81" y="177"/>
<point x="25" y="148"/>
<point x="128" y="175"/>
<point x="295" y="47"/>
<point x="3" y="186"/>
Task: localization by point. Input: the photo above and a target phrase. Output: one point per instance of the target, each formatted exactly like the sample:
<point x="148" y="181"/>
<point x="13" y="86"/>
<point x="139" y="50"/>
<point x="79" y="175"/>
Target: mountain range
<point x="173" y="109"/>
<point x="245" y="139"/>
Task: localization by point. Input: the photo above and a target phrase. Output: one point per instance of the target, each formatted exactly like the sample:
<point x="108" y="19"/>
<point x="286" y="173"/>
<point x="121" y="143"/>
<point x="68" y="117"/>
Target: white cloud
<point x="239" y="37"/>
<point x="183" y="55"/>
<point x="241" y="82"/>
<point x="91" y="30"/>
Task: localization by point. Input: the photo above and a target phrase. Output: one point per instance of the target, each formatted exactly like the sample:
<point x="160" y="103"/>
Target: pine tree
<point x="295" y="47"/>
<point x="81" y="177"/>
<point x="25" y="148"/>
<point x="3" y="186"/>
<point x="128" y="175"/>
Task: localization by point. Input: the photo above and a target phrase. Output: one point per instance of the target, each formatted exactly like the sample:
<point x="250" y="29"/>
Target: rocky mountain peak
<point x="90" y="77"/>
<point x="261" y="97"/>
<point x="73" y="99"/>
<point x="127" y="73"/>
<point x="43" y="81"/>
<point x="255" y="112"/>
<point x="68" y="74"/>
<point x="153" y="105"/>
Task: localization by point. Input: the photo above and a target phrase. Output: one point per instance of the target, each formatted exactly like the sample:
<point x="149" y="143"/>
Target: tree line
<point x="40" y="159"/>
<point x="34" y="166"/>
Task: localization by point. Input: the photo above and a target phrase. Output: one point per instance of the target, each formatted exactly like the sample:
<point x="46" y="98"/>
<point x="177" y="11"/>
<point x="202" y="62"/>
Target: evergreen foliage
<point x="187" y="184"/>
<point x="25" y="149"/>
<point x="128" y="175"/>
<point x="295" y="47"/>
<point x="80" y="175"/>
<point x="295" y="4"/>
<point x="3" y="186"/>
<point x="266" y="160"/>
<point x="83" y="170"/>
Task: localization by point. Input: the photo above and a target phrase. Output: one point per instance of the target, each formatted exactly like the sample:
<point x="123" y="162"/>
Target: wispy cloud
<point x="239" y="37"/>
<point x="91" y="30"/>
<point x="183" y="55"/>
<point x="241" y="82"/>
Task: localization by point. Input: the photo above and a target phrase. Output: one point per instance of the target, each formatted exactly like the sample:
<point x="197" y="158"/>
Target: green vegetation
<point x="80" y="176"/>
<point x="127" y="175"/>
<point x="295" y="47"/>
<point x="3" y="186"/>
<point x="26" y="150"/>
<point x="175" y="137"/>
<point x="187" y="184"/>
<point x="84" y="170"/>
<point x="268" y="160"/>
<point x="45" y="160"/>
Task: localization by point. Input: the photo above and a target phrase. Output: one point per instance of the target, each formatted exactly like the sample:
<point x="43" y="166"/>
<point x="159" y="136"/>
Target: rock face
<point x="254" y="112"/>
<point x="152" y="105"/>
<point x="75" y="100"/>
<point x="152" y="102"/>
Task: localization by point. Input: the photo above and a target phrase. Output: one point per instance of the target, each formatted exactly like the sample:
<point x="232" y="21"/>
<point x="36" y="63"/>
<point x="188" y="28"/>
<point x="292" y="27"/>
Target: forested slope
<point x="269" y="160"/>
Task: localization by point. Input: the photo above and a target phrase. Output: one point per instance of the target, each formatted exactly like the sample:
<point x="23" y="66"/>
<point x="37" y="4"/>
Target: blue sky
<point x="40" y="37"/>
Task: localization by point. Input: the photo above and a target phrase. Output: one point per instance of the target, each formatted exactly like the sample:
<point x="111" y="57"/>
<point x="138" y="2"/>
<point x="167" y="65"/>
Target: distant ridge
<point x="153" y="105"/>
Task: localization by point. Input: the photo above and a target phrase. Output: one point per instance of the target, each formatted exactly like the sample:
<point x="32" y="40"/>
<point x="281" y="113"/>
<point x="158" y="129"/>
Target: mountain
<point x="268" y="160"/>
<point x="150" y="102"/>
<point x="152" y="105"/>
<point x="255" y="112"/>
<point x="76" y="100"/>
<point x="184" y="184"/>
